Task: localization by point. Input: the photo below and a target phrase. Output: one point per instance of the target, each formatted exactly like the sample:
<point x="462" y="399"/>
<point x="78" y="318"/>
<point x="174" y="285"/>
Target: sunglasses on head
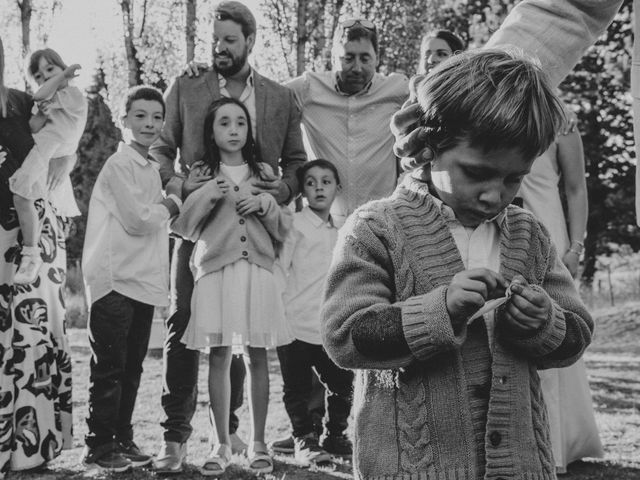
<point x="352" y="22"/>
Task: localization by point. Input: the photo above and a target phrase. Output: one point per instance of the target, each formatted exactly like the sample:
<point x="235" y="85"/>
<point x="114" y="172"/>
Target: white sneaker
<point x="29" y="268"/>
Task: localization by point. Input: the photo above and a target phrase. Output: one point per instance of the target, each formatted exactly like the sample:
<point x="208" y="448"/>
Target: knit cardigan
<point x="222" y="236"/>
<point x="449" y="408"/>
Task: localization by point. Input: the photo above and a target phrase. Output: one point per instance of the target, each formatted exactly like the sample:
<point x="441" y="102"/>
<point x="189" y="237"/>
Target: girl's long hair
<point x="3" y="90"/>
<point x="211" y="149"/>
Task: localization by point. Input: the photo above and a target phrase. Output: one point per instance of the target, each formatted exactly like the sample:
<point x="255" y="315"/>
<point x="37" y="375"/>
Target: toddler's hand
<point x="44" y="106"/>
<point x="70" y="71"/>
<point x="223" y="185"/>
<point x="528" y="309"/>
<point x="248" y="205"/>
<point x="470" y="289"/>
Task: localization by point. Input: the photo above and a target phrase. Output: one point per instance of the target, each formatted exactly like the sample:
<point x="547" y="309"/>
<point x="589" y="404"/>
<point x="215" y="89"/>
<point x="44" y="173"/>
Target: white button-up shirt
<point x="126" y="246"/>
<point x="305" y="259"/>
<point x="479" y="248"/>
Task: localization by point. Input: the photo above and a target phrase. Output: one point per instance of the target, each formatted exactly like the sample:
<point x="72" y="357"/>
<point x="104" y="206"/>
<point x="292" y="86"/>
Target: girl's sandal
<point x="259" y="459"/>
<point x="218" y="461"/>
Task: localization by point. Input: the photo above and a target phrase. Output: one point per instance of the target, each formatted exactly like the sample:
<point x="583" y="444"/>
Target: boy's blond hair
<point x="491" y="98"/>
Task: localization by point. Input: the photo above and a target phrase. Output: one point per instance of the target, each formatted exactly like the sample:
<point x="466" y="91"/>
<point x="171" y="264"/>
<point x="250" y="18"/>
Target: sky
<point x="82" y="25"/>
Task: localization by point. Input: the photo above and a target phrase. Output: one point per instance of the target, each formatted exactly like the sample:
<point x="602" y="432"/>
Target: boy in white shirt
<point x="305" y="259"/>
<point x="126" y="271"/>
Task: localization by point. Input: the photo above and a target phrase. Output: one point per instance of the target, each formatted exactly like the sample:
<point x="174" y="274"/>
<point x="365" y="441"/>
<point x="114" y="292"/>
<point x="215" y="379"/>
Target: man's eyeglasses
<point x="352" y="22"/>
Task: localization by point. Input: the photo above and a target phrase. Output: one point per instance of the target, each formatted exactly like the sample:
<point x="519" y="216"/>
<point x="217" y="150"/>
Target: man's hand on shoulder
<point x="271" y="184"/>
<point x="194" y="68"/>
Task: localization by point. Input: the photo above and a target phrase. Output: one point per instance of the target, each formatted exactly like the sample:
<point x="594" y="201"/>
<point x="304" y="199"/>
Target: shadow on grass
<point x="600" y="471"/>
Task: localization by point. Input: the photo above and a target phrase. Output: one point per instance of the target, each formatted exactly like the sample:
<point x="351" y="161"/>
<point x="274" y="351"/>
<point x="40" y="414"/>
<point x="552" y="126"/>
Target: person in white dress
<point x="574" y="434"/>
<point x="58" y="122"/>
<point x="235" y="299"/>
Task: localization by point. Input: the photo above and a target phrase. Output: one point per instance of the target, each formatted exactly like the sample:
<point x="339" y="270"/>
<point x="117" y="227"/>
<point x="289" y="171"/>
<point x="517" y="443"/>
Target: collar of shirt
<point x="364" y="91"/>
<point x="130" y="152"/>
<point x="315" y="220"/>
<point x="448" y="213"/>
<point x="222" y="83"/>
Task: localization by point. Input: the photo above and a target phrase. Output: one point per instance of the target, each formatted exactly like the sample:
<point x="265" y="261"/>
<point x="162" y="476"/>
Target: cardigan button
<point x="503" y="380"/>
<point x="245" y="253"/>
<point x="241" y="221"/>
<point x="236" y="188"/>
<point x="495" y="438"/>
<point x="243" y="238"/>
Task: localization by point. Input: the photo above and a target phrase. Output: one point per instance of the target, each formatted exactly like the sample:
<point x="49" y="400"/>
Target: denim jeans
<point x="298" y="360"/>
<point x="119" y="329"/>
<point x="180" y="386"/>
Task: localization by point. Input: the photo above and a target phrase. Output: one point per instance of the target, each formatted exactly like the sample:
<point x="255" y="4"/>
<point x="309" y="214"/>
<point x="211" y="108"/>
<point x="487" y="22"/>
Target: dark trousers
<point x="119" y="329"/>
<point x="180" y="386"/>
<point x="298" y="360"/>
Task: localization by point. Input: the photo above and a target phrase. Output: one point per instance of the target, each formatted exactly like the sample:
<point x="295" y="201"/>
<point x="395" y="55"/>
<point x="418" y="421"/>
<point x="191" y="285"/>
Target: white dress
<point x="574" y="434"/>
<point x="59" y="137"/>
<point x="239" y="305"/>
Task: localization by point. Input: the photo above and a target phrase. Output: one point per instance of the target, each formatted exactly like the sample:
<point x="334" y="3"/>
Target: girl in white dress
<point x="57" y="125"/>
<point x="235" y="300"/>
<point x="574" y="434"/>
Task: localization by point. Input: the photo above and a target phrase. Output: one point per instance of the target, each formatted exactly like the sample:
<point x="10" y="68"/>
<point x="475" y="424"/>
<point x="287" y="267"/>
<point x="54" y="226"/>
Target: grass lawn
<point x="613" y="362"/>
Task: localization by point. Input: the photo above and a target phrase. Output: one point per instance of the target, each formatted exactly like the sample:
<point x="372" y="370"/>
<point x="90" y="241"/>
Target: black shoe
<point x="105" y="457"/>
<point x="307" y="450"/>
<point x="284" y="445"/>
<point x="130" y="451"/>
<point x="338" y="445"/>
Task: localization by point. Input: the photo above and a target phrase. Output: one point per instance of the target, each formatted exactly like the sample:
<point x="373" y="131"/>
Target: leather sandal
<point x="259" y="459"/>
<point x="217" y="461"/>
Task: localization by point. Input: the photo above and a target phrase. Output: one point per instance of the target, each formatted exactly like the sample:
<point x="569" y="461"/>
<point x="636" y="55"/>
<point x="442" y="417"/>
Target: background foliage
<point x="158" y="37"/>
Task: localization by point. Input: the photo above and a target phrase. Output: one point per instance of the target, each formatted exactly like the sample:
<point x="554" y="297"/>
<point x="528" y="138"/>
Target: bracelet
<point x="571" y="250"/>
<point x="173" y="197"/>
<point x="576" y="247"/>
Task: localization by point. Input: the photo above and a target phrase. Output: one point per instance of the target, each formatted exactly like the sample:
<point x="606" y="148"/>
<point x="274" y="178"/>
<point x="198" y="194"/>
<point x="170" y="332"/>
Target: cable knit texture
<point x="450" y="409"/>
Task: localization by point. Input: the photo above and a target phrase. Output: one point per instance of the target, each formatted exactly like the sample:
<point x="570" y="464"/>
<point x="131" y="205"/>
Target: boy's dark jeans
<point x="180" y="387"/>
<point x="297" y="360"/>
<point x="119" y="329"/>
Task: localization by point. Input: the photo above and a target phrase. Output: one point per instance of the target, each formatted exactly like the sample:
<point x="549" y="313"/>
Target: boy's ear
<point x="339" y="188"/>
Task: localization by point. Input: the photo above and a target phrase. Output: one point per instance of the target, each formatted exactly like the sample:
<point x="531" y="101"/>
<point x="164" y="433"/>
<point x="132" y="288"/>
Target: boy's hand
<point x="527" y="310"/>
<point x="223" y="185"/>
<point x="248" y="205"/>
<point x="174" y="186"/>
<point x="70" y="71"/>
<point x="470" y="289"/>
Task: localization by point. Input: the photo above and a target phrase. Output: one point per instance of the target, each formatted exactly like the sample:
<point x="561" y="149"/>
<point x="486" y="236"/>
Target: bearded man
<point x="275" y="120"/>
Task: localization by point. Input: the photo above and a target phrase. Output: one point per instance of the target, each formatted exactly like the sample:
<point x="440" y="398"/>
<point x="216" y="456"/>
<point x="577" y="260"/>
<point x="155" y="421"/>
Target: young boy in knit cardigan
<point x="444" y="389"/>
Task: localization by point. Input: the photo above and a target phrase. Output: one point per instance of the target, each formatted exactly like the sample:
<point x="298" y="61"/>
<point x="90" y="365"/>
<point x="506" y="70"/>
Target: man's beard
<point x="237" y="63"/>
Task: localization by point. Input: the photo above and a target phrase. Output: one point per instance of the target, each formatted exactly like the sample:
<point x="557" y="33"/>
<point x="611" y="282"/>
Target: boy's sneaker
<point x="338" y="445"/>
<point x="284" y="445"/>
<point x="29" y="268"/>
<point x="130" y="450"/>
<point x="308" y="451"/>
<point x="105" y="457"/>
<point x="170" y="458"/>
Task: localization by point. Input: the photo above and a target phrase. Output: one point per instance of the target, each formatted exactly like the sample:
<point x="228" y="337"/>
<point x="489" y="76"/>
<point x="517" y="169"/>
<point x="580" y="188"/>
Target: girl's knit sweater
<point x="222" y="236"/>
<point x="444" y="406"/>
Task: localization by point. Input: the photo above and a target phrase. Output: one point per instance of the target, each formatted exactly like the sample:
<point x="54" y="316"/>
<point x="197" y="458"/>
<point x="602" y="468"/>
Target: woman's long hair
<point x="212" y="151"/>
<point x="3" y="90"/>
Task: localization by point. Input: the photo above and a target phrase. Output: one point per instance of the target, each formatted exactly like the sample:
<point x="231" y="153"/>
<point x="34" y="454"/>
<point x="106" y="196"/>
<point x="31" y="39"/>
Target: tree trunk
<point x="134" y="65"/>
<point x="190" y="29"/>
<point x="301" y="41"/>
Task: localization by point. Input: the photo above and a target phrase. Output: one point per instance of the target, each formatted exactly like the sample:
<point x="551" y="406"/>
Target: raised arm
<point x="51" y="86"/>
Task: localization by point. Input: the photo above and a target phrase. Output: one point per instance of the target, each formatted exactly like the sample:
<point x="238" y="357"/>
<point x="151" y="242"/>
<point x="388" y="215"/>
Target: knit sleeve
<point x="567" y="331"/>
<point x="196" y="210"/>
<point x="363" y="325"/>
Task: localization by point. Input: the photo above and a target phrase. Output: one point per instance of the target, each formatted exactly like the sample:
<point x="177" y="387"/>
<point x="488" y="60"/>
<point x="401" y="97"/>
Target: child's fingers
<point x="533" y="297"/>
